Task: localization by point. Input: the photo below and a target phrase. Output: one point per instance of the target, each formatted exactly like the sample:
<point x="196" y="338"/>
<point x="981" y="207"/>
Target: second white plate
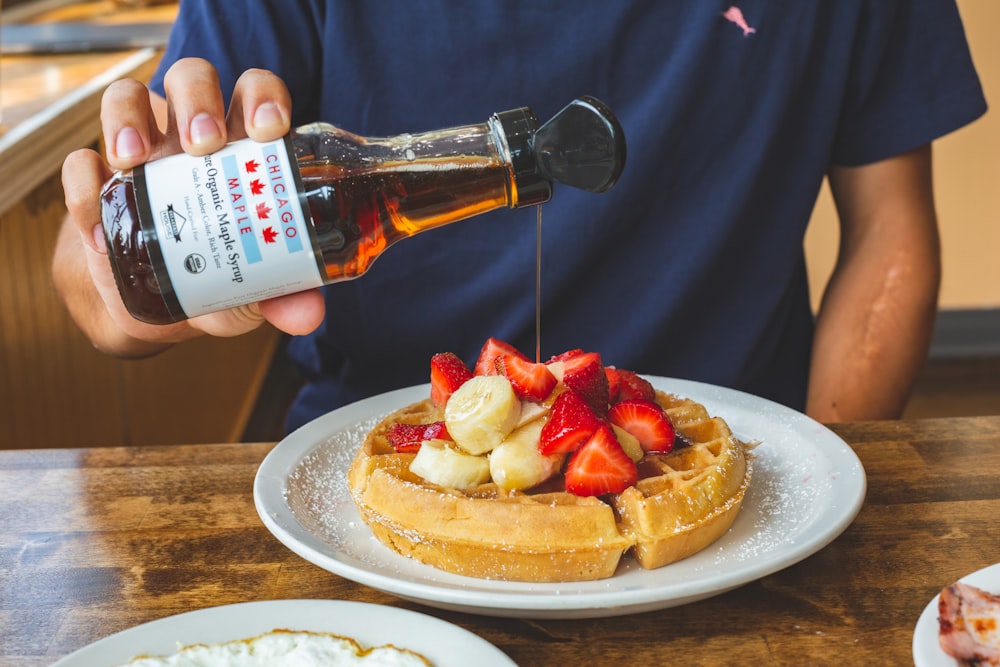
<point x="927" y="651"/>
<point x="442" y="643"/>
<point x="807" y="487"/>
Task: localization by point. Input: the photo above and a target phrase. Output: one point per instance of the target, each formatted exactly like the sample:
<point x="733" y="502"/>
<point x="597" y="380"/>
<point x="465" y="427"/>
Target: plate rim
<point x="292" y="449"/>
<point x="925" y="631"/>
<point x="151" y="634"/>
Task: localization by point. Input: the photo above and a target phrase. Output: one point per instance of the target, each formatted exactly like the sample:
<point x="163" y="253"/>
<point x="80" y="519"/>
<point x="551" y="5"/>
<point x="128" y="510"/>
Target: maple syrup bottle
<point x="193" y="235"/>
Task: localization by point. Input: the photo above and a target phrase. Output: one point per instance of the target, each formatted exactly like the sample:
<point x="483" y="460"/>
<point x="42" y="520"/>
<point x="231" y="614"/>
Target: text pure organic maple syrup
<point x="193" y="235"/>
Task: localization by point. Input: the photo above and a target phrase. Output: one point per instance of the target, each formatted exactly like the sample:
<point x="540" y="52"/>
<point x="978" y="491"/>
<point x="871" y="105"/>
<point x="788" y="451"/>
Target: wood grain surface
<point x="93" y="541"/>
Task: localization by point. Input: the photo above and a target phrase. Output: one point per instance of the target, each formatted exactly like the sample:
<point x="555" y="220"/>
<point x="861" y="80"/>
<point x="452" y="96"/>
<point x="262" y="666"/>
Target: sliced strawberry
<point x="530" y="380"/>
<point x="584" y="374"/>
<point x="600" y="466"/>
<point x="493" y="348"/>
<point x="634" y="386"/>
<point x="571" y="422"/>
<point x="647" y="421"/>
<point x="448" y="373"/>
<point x="407" y="437"/>
<point x="568" y="354"/>
<point x="614" y="383"/>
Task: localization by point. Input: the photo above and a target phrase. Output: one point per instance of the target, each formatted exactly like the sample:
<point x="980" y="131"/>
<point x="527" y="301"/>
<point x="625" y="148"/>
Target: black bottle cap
<point x="519" y="125"/>
<point x="582" y="146"/>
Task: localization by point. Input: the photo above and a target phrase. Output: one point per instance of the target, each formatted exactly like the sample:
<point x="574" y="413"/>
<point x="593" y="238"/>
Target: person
<point x="692" y="266"/>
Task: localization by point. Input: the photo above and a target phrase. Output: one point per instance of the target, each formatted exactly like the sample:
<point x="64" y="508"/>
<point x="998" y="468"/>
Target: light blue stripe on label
<point x="283" y="189"/>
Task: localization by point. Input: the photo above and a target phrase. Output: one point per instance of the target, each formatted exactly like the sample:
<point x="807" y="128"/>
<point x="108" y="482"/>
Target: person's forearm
<point x="872" y="338"/>
<point x="875" y="324"/>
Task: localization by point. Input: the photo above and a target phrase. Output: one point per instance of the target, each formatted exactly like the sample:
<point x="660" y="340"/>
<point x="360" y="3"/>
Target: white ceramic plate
<point x="926" y="649"/>
<point x="442" y="643"/>
<point x="807" y="487"/>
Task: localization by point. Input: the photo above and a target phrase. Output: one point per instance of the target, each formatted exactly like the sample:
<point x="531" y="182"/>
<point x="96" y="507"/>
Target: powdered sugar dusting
<point x="782" y="493"/>
<point x="317" y="490"/>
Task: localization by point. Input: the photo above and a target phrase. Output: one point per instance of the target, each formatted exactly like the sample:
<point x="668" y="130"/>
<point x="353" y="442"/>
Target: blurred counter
<point x="49" y="103"/>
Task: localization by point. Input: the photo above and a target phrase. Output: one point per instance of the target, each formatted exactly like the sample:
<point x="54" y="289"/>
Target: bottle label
<point x="231" y="225"/>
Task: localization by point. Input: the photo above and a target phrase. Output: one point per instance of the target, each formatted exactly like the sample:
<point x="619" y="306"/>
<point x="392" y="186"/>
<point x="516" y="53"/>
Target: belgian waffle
<point x="683" y="501"/>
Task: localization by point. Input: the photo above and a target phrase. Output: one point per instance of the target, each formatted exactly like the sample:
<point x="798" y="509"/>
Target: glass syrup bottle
<point x="189" y="235"/>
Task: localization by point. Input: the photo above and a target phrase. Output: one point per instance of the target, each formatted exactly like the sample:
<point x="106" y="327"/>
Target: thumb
<point x="296" y="314"/>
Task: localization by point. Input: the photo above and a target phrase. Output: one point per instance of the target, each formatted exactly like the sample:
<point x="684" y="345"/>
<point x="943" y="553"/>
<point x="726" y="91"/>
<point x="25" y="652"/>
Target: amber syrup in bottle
<point x="192" y="235"/>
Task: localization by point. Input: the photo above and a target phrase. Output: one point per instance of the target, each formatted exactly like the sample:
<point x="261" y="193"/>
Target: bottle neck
<point x="364" y="194"/>
<point x="320" y="145"/>
<point x="500" y="146"/>
<point x="514" y="132"/>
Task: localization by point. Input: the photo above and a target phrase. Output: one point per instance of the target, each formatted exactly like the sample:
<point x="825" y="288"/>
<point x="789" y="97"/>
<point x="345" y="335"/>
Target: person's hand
<point x="139" y="126"/>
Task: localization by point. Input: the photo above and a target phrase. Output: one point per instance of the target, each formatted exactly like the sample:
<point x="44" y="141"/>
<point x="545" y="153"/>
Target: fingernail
<point x="267" y="115"/>
<point x="204" y="129"/>
<point x="128" y="143"/>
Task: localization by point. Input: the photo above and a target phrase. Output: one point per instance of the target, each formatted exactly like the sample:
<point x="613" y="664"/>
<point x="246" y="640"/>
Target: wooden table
<point x="93" y="541"/>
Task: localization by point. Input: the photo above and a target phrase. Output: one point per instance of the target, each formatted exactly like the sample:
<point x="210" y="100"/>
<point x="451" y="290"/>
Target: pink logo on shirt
<point x="735" y="15"/>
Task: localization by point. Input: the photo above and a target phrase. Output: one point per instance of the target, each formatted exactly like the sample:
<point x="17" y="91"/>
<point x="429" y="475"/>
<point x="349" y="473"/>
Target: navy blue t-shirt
<point x="692" y="266"/>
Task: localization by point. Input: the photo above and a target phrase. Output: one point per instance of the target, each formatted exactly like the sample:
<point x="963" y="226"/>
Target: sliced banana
<point x="481" y="413"/>
<point x="530" y="411"/>
<point x="443" y="465"/>
<point x="629" y="443"/>
<point x="516" y="462"/>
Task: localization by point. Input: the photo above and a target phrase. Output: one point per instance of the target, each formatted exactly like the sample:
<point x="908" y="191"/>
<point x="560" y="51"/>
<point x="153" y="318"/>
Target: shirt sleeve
<point x="913" y="81"/>
<point x="283" y="37"/>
